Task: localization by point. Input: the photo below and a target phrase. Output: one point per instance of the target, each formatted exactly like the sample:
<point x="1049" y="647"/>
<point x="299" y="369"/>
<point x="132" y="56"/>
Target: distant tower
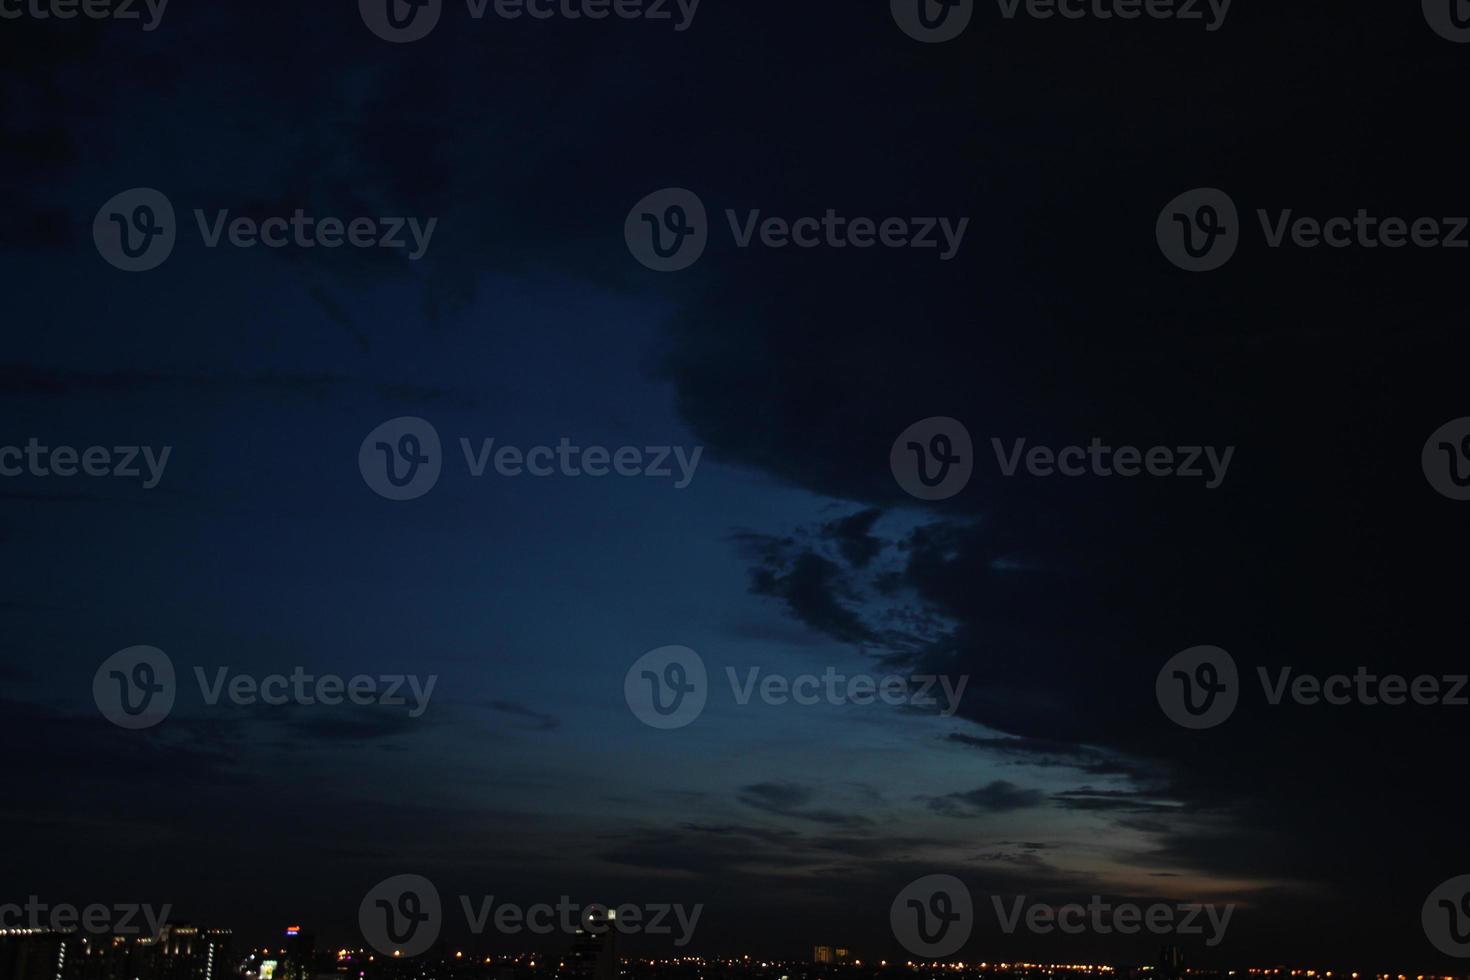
<point x="298" y="955"/>
<point x="594" y="953"/>
<point x="33" y="954"/>
<point x="821" y="954"/>
<point x="1171" y="963"/>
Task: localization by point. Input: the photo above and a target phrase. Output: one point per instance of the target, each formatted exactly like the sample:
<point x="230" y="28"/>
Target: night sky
<point x="793" y="548"/>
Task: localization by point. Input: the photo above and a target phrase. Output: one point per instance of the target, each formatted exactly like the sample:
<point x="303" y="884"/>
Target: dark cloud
<point x="536" y="720"/>
<point x="1048" y="753"/>
<point x="812" y="590"/>
<point x="1087" y="798"/>
<point x="51" y="382"/>
<point x="791" y="800"/>
<point x="852" y="535"/>
<point x="998" y="796"/>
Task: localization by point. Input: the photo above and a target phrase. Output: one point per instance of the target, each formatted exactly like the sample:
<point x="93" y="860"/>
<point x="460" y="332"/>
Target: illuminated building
<point x="594" y="953"/>
<point x="33" y="954"/>
<point x="185" y="952"/>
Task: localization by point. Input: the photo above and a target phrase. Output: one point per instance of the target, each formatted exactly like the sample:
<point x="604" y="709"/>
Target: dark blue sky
<point x="528" y="321"/>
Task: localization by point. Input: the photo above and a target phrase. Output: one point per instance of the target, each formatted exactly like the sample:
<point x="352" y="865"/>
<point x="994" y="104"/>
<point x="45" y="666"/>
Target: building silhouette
<point x="831" y="954"/>
<point x="1171" y="963"/>
<point x="594" y="952"/>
